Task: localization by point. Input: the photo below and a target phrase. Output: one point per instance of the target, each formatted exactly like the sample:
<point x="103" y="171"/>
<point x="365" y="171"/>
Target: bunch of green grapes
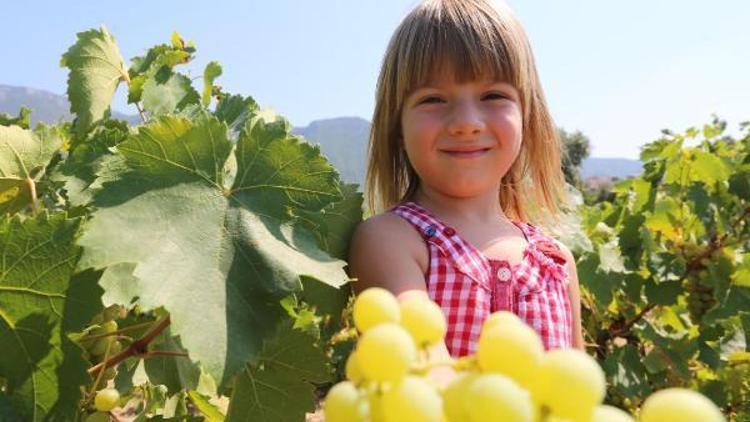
<point x="510" y="378"/>
<point x="102" y="341"/>
<point x="700" y="297"/>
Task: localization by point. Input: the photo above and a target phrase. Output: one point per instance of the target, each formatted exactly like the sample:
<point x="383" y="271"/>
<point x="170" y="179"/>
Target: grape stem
<point x="136" y="348"/>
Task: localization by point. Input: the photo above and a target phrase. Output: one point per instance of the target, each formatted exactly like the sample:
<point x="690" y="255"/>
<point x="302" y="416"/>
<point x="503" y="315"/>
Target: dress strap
<point x="437" y="233"/>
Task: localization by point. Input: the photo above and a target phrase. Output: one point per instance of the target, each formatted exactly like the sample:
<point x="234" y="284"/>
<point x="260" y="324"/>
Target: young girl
<point x="463" y="156"/>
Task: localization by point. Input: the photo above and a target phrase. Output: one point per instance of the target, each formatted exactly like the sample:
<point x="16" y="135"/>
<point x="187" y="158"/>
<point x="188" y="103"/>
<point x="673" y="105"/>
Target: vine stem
<point x="32" y="193"/>
<point x="629" y="324"/>
<point x="140" y="112"/>
<point x="136" y="348"/>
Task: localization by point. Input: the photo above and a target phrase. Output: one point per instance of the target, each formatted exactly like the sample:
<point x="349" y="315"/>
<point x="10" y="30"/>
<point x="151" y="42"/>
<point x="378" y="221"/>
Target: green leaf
<point x="663" y="293"/>
<point x="219" y="259"/>
<point x="235" y="110"/>
<point x="42" y="366"/>
<point x="664" y="219"/>
<point x="168" y="93"/>
<point x="610" y="259"/>
<point x="24" y="155"/>
<point x="707" y="168"/>
<point x="207" y="409"/>
<point x="335" y="224"/>
<point x="277" y="385"/>
<point x="23" y="120"/>
<point x="741" y="277"/>
<point x="739" y="183"/>
<point x="175" y="372"/>
<point x="213" y="71"/>
<point x="96" y="69"/>
<point x="78" y="172"/>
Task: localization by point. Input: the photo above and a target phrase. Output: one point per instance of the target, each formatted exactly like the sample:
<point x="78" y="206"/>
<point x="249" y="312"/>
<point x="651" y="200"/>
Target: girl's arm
<point x="387" y="252"/>
<point x="574" y="293"/>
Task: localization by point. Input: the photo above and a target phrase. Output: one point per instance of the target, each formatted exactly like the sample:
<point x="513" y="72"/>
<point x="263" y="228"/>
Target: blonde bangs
<point x="466" y="40"/>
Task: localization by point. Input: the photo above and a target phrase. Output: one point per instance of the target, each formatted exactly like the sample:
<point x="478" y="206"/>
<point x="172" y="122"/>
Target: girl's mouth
<point x="467" y="154"/>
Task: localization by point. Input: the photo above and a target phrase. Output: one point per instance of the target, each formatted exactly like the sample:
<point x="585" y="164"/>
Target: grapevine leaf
<point x="23" y="120"/>
<point x="335" y="224"/>
<point x="96" y="69"/>
<point x="739" y="183"/>
<point x="207" y="409"/>
<point x="235" y="110"/>
<point x="78" y="171"/>
<point x="663" y="293"/>
<point x="594" y="280"/>
<point x="174" y="372"/>
<point x="741" y="277"/>
<point x="213" y="71"/>
<point x="277" y="385"/>
<point x="610" y="258"/>
<point x="707" y="168"/>
<point x="168" y="92"/>
<point x="24" y="155"/>
<point x="236" y="252"/>
<point x="43" y="367"/>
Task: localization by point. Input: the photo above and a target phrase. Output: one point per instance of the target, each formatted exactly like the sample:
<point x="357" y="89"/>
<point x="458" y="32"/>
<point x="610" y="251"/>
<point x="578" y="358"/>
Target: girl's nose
<point x="465" y="119"/>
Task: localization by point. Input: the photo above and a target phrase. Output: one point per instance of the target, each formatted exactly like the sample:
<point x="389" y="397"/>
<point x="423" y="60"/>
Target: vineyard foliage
<point x="666" y="274"/>
<point x="212" y="233"/>
<point x="194" y="262"/>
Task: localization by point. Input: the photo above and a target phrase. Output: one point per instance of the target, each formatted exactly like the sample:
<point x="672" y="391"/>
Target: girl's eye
<point x="431" y="100"/>
<point x="494" y="96"/>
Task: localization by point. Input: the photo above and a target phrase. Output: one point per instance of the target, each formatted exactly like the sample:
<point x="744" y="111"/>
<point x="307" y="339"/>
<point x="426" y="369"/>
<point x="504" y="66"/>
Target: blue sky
<point x="618" y="71"/>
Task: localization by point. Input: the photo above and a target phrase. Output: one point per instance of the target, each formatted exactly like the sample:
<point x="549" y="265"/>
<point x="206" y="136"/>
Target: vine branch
<point x="136" y="348"/>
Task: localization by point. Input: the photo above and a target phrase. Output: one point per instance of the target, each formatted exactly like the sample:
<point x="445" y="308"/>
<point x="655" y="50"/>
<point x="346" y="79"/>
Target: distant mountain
<point x="46" y="106"/>
<point x="620" y="168"/>
<point x="343" y="139"/>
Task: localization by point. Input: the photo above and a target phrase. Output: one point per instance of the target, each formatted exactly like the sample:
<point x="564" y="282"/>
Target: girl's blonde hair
<point x="475" y="39"/>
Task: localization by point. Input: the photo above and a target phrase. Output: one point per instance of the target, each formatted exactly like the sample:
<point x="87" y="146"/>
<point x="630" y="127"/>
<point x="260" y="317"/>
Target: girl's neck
<point x="483" y="208"/>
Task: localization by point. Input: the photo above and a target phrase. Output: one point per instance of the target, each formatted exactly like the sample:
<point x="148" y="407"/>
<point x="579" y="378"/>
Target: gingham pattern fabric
<point x="468" y="286"/>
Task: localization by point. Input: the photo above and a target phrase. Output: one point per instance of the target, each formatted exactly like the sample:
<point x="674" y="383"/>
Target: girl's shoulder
<point x="385" y="231"/>
<point x="386" y="251"/>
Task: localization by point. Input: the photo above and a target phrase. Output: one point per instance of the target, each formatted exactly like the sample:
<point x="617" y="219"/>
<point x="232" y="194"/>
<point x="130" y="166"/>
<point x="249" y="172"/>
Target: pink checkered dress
<point x="469" y="286"/>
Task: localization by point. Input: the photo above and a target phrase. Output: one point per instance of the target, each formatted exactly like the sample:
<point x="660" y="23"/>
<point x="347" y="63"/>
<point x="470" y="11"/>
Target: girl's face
<point x="461" y="138"/>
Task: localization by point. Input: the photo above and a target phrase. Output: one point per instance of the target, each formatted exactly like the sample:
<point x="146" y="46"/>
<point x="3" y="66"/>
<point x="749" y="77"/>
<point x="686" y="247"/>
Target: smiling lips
<point x="466" y="153"/>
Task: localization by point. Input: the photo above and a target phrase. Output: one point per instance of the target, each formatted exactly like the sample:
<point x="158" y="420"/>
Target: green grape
<point x="353" y="370"/>
<point x="109" y="373"/>
<point x="412" y="399"/>
<point x="495" y="397"/>
<point x="510" y="348"/>
<point x="606" y="413"/>
<point x="501" y="318"/>
<point x="115" y="348"/>
<point x="454" y="396"/>
<point x="423" y="319"/>
<point x="385" y="352"/>
<point x="374" y="306"/>
<point x="679" y="404"/>
<point x="99" y="347"/>
<point x="106" y="327"/>
<point x="344" y="403"/>
<point x="106" y="399"/>
<point x="111" y="312"/>
<point x="570" y="383"/>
